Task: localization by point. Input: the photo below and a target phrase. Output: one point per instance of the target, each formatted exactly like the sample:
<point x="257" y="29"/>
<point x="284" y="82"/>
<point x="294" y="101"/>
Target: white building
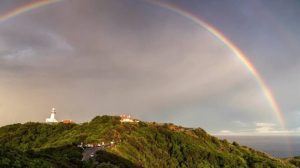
<point x="126" y="118"/>
<point x="52" y="117"/>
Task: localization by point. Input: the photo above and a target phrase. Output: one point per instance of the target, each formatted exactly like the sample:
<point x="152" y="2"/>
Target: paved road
<point x="90" y="152"/>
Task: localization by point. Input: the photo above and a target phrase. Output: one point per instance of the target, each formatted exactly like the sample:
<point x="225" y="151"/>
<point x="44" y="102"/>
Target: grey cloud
<point x="111" y="57"/>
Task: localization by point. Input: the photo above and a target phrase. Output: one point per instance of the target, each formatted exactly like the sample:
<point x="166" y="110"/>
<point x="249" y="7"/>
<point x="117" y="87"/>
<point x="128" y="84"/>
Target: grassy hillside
<point x="139" y="145"/>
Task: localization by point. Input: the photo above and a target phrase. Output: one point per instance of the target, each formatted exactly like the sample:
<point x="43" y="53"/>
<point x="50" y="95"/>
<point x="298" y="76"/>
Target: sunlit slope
<point x="137" y="145"/>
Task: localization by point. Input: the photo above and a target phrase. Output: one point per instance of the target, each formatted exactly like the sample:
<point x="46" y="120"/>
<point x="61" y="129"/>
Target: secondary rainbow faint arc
<point x="239" y="54"/>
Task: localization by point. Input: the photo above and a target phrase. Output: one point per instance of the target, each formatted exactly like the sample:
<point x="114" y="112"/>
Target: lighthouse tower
<point x="52" y="117"/>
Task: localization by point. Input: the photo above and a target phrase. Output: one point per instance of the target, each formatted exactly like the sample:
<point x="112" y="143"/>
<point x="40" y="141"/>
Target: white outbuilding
<point x="126" y="118"/>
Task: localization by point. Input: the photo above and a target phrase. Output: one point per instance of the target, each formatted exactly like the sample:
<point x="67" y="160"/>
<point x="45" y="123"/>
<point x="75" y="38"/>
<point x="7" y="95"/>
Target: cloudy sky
<point x="97" y="57"/>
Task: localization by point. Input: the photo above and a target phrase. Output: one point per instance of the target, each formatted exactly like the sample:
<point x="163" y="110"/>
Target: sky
<point x="97" y="57"/>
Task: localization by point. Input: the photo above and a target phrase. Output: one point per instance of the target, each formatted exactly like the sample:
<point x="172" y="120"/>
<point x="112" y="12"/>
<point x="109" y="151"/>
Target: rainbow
<point x="238" y="53"/>
<point x="24" y="8"/>
<point x="219" y="35"/>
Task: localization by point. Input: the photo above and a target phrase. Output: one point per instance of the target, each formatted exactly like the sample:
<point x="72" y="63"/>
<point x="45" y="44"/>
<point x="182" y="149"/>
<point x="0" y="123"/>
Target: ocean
<point x="277" y="146"/>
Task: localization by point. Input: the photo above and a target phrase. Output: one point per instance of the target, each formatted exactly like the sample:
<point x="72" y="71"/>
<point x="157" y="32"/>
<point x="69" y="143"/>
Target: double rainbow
<point x="213" y="30"/>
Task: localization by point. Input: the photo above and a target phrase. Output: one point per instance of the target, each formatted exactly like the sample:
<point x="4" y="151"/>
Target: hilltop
<point x="138" y="144"/>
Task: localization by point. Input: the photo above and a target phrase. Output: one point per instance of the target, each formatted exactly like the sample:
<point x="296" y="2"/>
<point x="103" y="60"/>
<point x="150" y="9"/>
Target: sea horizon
<point x="278" y="146"/>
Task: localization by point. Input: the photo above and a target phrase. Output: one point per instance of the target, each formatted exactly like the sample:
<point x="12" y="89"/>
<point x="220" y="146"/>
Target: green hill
<point x="139" y="144"/>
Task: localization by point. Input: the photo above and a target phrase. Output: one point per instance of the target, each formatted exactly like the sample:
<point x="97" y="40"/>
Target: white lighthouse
<point x="52" y="117"/>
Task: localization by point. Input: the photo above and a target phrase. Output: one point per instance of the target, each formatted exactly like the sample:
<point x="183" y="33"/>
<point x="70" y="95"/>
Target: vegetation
<point x="294" y="160"/>
<point x="68" y="157"/>
<point x="139" y="145"/>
